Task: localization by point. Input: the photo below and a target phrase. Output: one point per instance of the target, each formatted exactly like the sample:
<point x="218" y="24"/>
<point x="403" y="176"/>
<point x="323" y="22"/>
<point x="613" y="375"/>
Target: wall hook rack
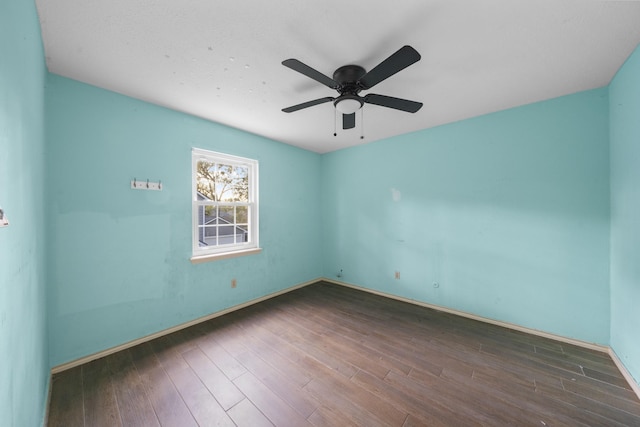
<point x="146" y="185"/>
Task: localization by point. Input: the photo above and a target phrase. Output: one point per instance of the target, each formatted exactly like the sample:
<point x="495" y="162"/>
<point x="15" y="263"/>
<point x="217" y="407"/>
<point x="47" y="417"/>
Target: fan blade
<point x="349" y="121"/>
<point x="390" y="102"/>
<point x="400" y="60"/>
<point x="298" y="66"/>
<point x="307" y="104"/>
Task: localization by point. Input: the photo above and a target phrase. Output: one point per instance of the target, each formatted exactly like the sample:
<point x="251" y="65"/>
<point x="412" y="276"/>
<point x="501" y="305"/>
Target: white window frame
<point x="202" y="254"/>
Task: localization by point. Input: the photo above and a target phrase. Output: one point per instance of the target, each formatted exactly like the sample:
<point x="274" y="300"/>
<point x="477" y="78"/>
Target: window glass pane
<point x="226" y="235"/>
<point x="206" y="215"/>
<point x="205" y="180"/>
<point x="226" y="215"/>
<point x="241" y="184"/>
<point x="224" y="183"/>
<point x="242" y="215"/>
<point x="208" y="235"/>
<point x="210" y="215"/>
<point x="210" y="231"/>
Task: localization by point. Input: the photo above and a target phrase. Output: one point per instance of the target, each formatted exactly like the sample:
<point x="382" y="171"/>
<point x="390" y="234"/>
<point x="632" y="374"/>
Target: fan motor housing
<point x="347" y="76"/>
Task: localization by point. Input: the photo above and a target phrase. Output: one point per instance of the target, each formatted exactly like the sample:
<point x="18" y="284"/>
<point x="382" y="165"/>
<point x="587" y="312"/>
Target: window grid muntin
<point x="216" y="224"/>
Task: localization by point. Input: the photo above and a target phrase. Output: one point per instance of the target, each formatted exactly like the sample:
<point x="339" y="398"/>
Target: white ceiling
<point x="221" y="60"/>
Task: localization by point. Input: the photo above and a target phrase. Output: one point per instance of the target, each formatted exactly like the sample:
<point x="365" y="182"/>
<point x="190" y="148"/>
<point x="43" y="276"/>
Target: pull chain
<point x="361" y="123"/>
<point x="335" y="122"/>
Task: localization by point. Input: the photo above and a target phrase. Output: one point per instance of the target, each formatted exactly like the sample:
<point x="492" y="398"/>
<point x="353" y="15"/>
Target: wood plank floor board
<point x="546" y="408"/>
<point x="289" y="392"/>
<point x="495" y="332"/>
<point x="538" y="358"/>
<point x="606" y="372"/>
<point x="335" y="347"/>
<point x="290" y="356"/>
<point x="601" y="394"/>
<point x="133" y="403"/>
<point x="165" y="399"/>
<point x="477" y="397"/>
<point x="585" y="406"/>
<point x="522" y="397"/>
<point x="472" y="361"/>
<point x="604" y="387"/>
<point x="535" y="364"/>
<point x="203" y="406"/>
<point x="101" y="408"/>
<point x="516" y="367"/>
<point x="340" y="344"/>
<point x="269" y="403"/>
<point x="436" y="394"/>
<point x="279" y="354"/>
<point x="245" y="414"/>
<point x="413" y="421"/>
<point x="598" y="364"/>
<point x="327" y="355"/>
<point x="221" y="387"/>
<point x="616" y="380"/>
<point x="330" y="417"/>
<point x="185" y="339"/>
<point x="67" y="400"/>
<point x="310" y="344"/>
<point x="350" y="337"/>
<point x="380" y="408"/>
<point x="223" y="360"/>
<point x="429" y="412"/>
<point x="515" y="361"/>
<point x="523" y="411"/>
<point x="419" y="358"/>
<point x="325" y="393"/>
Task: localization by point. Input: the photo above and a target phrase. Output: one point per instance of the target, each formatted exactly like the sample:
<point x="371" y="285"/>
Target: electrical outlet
<point x="234" y="283"/>
<point x="397" y="275"/>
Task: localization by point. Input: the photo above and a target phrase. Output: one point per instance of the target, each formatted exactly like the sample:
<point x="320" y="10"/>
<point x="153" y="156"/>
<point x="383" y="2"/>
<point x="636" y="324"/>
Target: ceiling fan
<point x="349" y="80"/>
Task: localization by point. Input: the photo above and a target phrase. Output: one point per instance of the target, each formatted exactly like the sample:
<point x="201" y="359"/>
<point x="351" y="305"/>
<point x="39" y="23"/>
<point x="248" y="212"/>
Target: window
<point x="225" y="205"/>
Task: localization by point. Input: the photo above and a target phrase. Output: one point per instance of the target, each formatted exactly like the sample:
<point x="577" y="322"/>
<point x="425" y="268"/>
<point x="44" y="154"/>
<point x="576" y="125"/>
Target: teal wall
<point x="24" y="365"/>
<point x="119" y="258"/>
<point x="508" y="212"/>
<point x="624" y="101"/>
<point x="527" y="216"/>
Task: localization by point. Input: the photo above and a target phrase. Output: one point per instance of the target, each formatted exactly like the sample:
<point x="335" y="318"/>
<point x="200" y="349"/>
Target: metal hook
<point x="135" y="183"/>
<point x="159" y="184"/>
<point x="147" y="182"/>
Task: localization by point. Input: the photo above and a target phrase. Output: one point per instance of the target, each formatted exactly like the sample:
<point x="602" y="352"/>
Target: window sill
<point x="226" y="255"/>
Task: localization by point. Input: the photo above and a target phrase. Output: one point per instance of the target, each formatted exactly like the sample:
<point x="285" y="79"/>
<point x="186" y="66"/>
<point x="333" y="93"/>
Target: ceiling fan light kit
<point x="348" y="104"/>
<point x="350" y="80"/>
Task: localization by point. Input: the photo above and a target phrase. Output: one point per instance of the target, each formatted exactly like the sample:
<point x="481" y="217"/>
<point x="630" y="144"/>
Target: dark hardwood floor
<point x="327" y="355"/>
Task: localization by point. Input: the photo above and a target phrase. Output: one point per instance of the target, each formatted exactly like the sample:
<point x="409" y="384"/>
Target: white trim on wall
<point x="584" y="344"/>
<point x="625" y="372"/>
<point x="634" y="386"/>
<point x="507" y="325"/>
<point x="107" y="352"/>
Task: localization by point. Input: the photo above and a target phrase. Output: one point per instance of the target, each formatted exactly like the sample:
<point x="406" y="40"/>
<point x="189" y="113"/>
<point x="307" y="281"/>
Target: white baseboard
<point x="605" y="349"/>
<point x="579" y="343"/>
<point x="107" y="352"/>
<point x="585" y="344"/>
<point x="625" y="372"/>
